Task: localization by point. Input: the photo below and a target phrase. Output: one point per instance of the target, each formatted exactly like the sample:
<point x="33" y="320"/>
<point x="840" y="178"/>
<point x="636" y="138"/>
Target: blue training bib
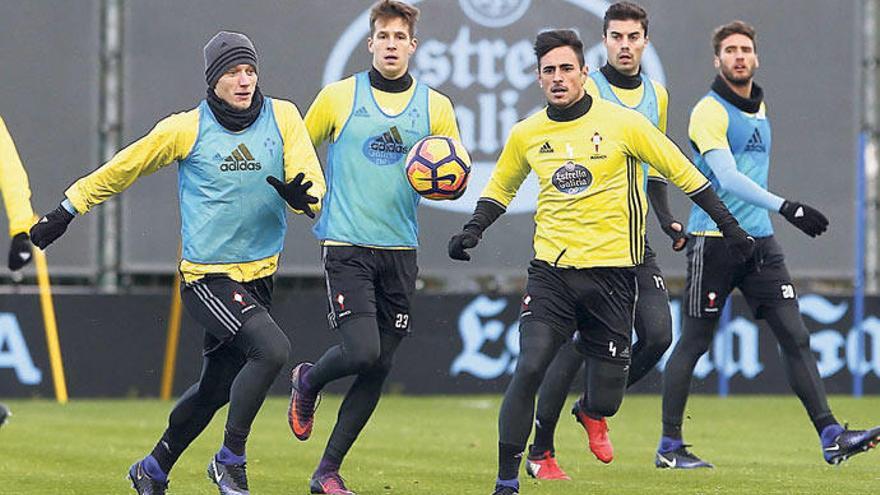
<point x="229" y="214"/>
<point x="369" y="201"/>
<point x="749" y="138"/>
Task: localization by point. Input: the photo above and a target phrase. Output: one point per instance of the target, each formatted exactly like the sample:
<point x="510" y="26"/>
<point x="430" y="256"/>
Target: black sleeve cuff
<point x="485" y="214"/>
<point x="660" y="201"/>
<point x="709" y="201"/>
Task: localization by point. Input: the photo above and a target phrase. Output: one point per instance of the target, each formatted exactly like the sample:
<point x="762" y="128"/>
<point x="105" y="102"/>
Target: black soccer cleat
<point x="231" y="479"/>
<point x="142" y="483"/>
<point x="844" y="443"/>
<point x="679" y="458"/>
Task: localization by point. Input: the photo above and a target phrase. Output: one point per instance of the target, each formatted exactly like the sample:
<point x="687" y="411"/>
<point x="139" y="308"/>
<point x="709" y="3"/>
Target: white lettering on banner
<point x="827" y="343"/>
<point x="835" y="349"/>
<point x="822" y="310"/>
<point x="14" y="351"/>
<point x="855" y="360"/>
<point x="486" y="64"/>
<point x="744" y="335"/>
<point x="475" y="334"/>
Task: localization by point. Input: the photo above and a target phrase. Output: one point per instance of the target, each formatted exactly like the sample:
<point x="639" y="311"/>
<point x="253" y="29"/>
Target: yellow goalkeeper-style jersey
<point x="591" y="205"/>
<point x="14" y="186"/>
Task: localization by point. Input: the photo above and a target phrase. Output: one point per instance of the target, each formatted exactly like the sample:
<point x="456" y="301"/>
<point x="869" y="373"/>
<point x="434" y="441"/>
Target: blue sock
<point x="151" y="467"/>
<point x="669" y="444"/>
<point x="829" y="433"/>
<point x="514" y="483"/>
<point x="226" y="456"/>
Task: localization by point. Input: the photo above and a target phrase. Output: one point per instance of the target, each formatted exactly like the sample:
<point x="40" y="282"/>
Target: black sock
<point x="799" y="363"/>
<point x="545" y="430"/>
<point x="360" y="402"/>
<point x="234" y="439"/>
<point x="696" y="336"/>
<point x="509" y="457"/>
<point x="672" y="431"/>
<point x="821" y="422"/>
<point x="163" y="454"/>
<point x="552" y="396"/>
<point x="359" y="350"/>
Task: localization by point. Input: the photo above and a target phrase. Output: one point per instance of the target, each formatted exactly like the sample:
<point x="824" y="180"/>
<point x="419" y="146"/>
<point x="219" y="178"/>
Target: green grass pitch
<point x="439" y="445"/>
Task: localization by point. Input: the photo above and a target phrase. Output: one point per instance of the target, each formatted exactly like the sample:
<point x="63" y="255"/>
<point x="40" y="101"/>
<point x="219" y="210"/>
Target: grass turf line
<point x="439" y="445"/>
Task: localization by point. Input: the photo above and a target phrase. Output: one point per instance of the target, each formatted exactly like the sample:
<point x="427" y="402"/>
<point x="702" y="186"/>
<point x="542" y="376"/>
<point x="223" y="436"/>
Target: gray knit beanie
<point x="227" y="49"/>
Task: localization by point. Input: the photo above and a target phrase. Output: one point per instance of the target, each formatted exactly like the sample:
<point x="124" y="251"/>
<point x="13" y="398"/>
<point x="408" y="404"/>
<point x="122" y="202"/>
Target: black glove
<point x="295" y="193"/>
<point x="679" y="239"/>
<point x="19" y="252"/>
<point x="50" y="227"/>
<point x="740" y="245"/>
<point x="465" y="239"/>
<point x="810" y="220"/>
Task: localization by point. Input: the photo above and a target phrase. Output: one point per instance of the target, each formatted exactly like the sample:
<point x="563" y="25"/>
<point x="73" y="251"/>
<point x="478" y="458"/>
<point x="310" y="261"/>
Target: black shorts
<point x="365" y="281"/>
<point x="649" y="277"/>
<point x="712" y="275"/>
<point x="597" y="303"/>
<point x="222" y="305"/>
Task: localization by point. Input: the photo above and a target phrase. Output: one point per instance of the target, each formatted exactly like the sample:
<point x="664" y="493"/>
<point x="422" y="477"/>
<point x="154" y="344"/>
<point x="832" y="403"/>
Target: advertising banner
<point x="113" y="346"/>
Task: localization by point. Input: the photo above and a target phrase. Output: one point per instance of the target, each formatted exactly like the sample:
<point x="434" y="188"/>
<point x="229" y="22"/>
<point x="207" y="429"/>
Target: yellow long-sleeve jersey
<point x="172" y="139"/>
<point x="591" y="205"/>
<point x="333" y="107"/>
<point x="14" y="186"/>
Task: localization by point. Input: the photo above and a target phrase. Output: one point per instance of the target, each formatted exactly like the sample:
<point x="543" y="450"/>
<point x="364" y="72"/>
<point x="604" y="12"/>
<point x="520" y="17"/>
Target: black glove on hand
<point x="50" y="227"/>
<point x="295" y="193"/>
<point x="739" y="243"/>
<point x="19" y="252"/>
<point x="679" y="239"/>
<point x="810" y="220"/>
<point x="461" y="241"/>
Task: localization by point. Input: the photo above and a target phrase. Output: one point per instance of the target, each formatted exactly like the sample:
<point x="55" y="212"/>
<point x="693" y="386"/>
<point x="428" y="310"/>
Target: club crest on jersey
<point x="597" y="140"/>
<point x="572" y="178"/>
<point x="386" y="148"/>
<point x="414" y="117"/>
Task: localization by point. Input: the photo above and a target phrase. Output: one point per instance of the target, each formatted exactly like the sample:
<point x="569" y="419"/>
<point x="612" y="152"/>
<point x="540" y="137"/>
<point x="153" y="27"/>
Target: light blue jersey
<point x="369" y="201"/>
<point x="749" y="139"/>
<point x="648" y="106"/>
<point x="229" y="214"/>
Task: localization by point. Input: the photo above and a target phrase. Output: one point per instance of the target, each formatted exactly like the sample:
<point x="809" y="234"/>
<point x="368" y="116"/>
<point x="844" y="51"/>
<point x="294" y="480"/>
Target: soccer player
<point x="368" y="228"/>
<point x="730" y="137"/>
<point x="17" y="199"/>
<point x="589" y="235"/>
<point x="620" y="81"/>
<point x="233" y="225"/>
